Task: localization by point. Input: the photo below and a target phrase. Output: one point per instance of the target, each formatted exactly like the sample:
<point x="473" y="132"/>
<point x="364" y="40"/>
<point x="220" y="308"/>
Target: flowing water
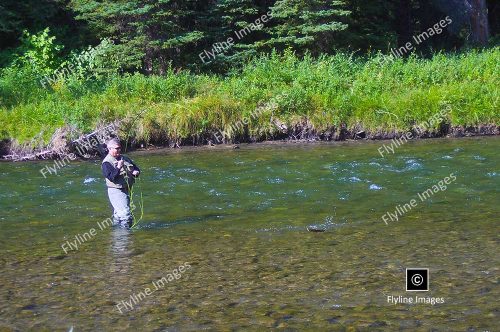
<point x="239" y="219"/>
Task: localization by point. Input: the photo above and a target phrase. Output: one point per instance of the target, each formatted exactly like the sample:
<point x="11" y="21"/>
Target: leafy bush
<point x="40" y="52"/>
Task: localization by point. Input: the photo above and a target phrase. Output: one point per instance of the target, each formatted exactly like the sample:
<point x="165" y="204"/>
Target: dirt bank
<point x="62" y="146"/>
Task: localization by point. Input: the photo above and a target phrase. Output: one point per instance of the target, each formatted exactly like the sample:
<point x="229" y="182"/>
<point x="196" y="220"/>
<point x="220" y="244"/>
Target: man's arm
<point x="135" y="167"/>
<point x="110" y="172"/>
<point x="136" y="170"/>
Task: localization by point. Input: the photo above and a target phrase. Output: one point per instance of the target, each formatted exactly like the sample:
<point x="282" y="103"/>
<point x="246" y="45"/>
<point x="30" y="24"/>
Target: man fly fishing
<point x="120" y="173"/>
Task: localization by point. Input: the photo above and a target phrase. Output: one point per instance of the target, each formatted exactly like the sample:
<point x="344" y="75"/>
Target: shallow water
<point x="239" y="218"/>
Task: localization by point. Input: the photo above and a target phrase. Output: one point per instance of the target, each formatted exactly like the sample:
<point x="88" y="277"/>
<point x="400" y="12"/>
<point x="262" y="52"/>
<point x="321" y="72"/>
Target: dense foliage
<point x="198" y="67"/>
<point x="380" y="93"/>
<point x="151" y="35"/>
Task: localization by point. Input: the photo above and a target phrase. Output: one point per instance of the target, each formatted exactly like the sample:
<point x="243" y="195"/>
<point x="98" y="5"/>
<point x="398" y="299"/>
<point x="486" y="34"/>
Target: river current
<point x="296" y="236"/>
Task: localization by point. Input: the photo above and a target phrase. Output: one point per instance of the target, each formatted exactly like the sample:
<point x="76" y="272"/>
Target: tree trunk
<point x="148" y="63"/>
<point x="403" y="11"/>
<point x="479" y="21"/>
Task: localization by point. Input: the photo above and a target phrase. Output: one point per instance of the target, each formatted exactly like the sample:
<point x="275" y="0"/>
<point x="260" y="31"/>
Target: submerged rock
<point x="58" y="257"/>
<point x="31" y="306"/>
<point x="315" y="228"/>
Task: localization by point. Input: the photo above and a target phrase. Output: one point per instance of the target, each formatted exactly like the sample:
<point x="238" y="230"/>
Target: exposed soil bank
<point x="302" y="133"/>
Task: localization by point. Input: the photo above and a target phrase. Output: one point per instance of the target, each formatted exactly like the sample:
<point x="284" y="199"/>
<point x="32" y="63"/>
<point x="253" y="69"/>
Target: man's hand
<point x="119" y="164"/>
<point x="135" y="173"/>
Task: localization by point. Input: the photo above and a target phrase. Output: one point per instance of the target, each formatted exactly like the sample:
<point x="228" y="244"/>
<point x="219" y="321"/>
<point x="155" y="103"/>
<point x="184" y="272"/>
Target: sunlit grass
<point x="378" y="93"/>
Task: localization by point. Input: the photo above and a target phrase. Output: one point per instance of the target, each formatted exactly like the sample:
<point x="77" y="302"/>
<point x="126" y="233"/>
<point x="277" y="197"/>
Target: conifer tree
<point x="306" y="24"/>
<point x="148" y="34"/>
<point x="225" y="20"/>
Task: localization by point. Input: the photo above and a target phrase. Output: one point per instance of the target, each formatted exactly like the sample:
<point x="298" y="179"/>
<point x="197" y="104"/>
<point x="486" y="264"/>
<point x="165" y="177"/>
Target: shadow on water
<point x="152" y="225"/>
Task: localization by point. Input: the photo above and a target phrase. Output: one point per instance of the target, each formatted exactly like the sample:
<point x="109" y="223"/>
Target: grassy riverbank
<point x="376" y="94"/>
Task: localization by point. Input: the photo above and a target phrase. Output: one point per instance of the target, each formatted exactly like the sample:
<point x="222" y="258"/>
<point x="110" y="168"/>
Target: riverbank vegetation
<point x="274" y="83"/>
<point x="379" y="93"/>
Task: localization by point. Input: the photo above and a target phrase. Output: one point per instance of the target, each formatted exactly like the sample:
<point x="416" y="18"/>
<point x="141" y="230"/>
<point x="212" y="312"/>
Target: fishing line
<point x="131" y="190"/>
<point x="141" y="201"/>
<point x="141" y="205"/>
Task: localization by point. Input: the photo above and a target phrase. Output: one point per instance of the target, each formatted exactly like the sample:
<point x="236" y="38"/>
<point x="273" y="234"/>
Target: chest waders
<point x="125" y="182"/>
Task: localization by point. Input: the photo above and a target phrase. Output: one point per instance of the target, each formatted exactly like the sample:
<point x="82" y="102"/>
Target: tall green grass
<point x="376" y="93"/>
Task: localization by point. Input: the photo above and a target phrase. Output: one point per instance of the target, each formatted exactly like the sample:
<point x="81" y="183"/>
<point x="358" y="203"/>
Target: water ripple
<point x="412" y="164"/>
<point x="89" y="180"/>
<point x="276" y="180"/>
<point x="213" y="192"/>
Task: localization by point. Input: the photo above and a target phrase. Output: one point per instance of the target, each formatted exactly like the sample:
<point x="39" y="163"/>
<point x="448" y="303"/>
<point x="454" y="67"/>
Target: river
<point x="233" y="224"/>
